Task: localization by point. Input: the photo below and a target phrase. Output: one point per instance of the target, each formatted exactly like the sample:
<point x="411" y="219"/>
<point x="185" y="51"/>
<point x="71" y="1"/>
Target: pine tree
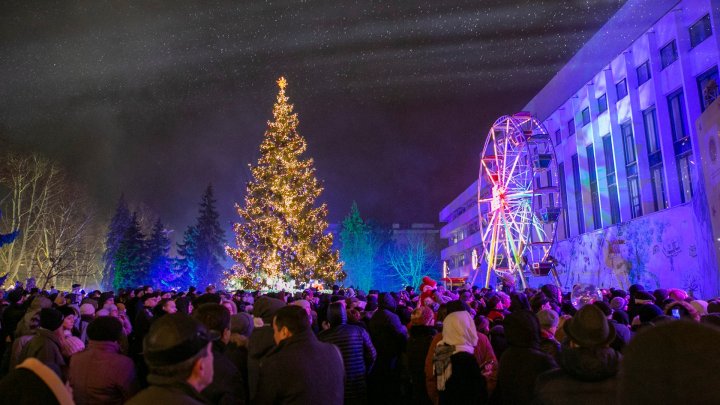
<point x="357" y="251"/>
<point x="131" y="261"/>
<point x="202" y="251"/>
<point x="282" y="234"/>
<point x="185" y="264"/>
<point x="210" y="247"/>
<point x="158" y="251"/>
<point x="116" y="231"/>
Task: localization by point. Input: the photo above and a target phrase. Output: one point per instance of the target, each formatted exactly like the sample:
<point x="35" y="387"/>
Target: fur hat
<point x="589" y="327"/>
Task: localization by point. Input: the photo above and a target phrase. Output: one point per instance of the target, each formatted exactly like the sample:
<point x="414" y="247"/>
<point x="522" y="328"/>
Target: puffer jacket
<point x="358" y="355"/>
<point x="586" y="376"/>
<point x="100" y="374"/>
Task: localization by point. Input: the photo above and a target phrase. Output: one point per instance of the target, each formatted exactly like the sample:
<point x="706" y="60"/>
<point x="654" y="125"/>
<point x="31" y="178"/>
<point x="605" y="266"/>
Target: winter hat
<point x="87" y="309"/>
<point x="713" y="306"/>
<point x="421" y="316"/>
<point x="72" y="345"/>
<point x="590" y="327"/>
<point x="336" y="314"/>
<point x="648" y="312"/>
<point x="619" y="293"/>
<point x="635" y="288"/>
<point x="644" y="297"/>
<point x="105" y="329"/>
<point x="677" y="294"/>
<point x="548" y="318"/>
<point x="681" y="375"/>
<point x="386" y="301"/>
<point x="551" y="291"/>
<point x="604" y="307"/>
<point x="241" y="323"/>
<point x="700" y="306"/>
<point x="660" y="294"/>
<point x="617" y="303"/>
<point x="50" y="318"/>
<point x="266" y="307"/>
<point x="67" y="311"/>
<point x="456" y="306"/>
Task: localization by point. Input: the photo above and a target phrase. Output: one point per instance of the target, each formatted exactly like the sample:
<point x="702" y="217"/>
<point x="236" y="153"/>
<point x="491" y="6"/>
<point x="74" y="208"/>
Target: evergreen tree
<point x="210" y="246"/>
<point x="158" y="250"/>
<point x="119" y="223"/>
<point x="131" y="262"/>
<point x="202" y="251"/>
<point x="185" y="263"/>
<point x="357" y="251"/>
<point x="282" y="234"/>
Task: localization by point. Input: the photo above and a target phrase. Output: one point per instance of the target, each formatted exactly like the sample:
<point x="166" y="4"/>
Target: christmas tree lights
<point x="281" y="236"/>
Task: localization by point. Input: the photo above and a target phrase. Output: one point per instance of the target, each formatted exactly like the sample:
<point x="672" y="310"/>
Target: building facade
<point x="622" y="114"/>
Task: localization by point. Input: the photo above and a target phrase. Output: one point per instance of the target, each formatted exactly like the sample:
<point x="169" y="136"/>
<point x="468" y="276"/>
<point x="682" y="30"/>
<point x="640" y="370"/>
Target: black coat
<point x="358" y="355"/>
<point x="586" y="376"/>
<point x="227" y="386"/>
<point x="466" y="384"/>
<point x="418" y="344"/>
<point x="522" y="361"/>
<point x="389" y="337"/>
<point x="301" y="370"/>
<point x="260" y="343"/>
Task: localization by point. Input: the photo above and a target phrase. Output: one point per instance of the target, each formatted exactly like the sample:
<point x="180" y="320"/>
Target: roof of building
<point x="631" y="21"/>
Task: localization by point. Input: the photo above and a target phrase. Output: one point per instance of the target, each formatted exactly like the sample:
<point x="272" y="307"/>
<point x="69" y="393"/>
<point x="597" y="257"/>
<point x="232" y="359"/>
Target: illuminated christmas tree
<point x="282" y="233"/>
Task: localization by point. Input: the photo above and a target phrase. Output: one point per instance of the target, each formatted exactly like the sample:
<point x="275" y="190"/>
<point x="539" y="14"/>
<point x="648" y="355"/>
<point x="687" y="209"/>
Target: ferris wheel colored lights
<point x="518" y="215"/>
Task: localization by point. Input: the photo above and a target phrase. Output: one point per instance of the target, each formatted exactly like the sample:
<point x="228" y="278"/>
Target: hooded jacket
<point x="523" y="360"/>
<point x="586" y="376"/>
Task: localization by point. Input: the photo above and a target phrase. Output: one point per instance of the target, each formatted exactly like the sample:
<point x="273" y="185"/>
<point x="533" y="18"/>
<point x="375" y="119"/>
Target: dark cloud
<point x="157" y="99"/>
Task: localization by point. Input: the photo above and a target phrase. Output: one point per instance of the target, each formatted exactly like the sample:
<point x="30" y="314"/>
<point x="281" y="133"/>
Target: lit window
<point x="612" y="186"/>
<point x="629" y="143"/>
<point x="685" y="174"/>
<point x="651" y="132"/>
<point x="634" y="188"/>
<point x="708" y="87"/>
<point x="658" y="187"/>
<point x="578" y="194"/>
<point x="594" y="193"/>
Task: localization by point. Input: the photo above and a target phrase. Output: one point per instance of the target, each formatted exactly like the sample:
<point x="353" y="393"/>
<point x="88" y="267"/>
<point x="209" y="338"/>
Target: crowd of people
<point x="464" y="345"/>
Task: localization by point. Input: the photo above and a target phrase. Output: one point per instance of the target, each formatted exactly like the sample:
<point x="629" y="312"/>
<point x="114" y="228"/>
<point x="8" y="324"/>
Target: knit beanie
<point x="50" y="319"/>
<point x="87" y="309"/>
<point x="617" y="303"/>
<point x="648" y="312"/>
<point x="548" y="318"/>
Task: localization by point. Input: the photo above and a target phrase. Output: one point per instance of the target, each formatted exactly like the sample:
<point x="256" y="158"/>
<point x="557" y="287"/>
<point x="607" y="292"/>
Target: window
<point x="551" y="197"/>
<point x="708" y="92"/>
<point x="668" y="54"/>
<point x="651" y="132"/>
<point x="594" y="194"/>
<point x="558" y="137"/>
<point x="658" y="187"/>
<point x="629" y="143"/>
<point x="586" y="116"/>
<point x="634" y="188"/>
<point x="612" y="186"/>
<point x="571" y="126"/>
<point x="602" y="103"/>
<point x="621" y="89"/>
<point x="700" y="31"/>
<point x="539" y="196"/>
<point x="678" y="122"/>
<point x="563" y="196"/>
<point x="578" y="194"/>
<point x="643" y="73"/>
<point x="685" y="175"/>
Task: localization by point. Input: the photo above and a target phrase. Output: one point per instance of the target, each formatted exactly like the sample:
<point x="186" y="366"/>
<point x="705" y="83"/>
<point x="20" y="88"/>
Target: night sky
<point x="157" y="99"/>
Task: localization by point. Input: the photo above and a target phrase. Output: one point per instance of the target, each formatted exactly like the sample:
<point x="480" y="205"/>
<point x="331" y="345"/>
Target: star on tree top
<point x="282" y="83"/>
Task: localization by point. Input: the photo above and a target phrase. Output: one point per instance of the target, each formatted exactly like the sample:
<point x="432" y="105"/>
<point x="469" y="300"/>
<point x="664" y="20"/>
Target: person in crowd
<point x="549" y="320"/>
<point x="483" y="352"/>
<point x="100" y="374"/>
<point x="33" y="382"/>
<point x="459" y="378"/>
<point x="228" y="386"/>
<point x="286" y="374"/>
<point x="622" y="332"/>
<point x="671" y="363"/>
<point x="163" y="307"/>
<point x="522" y="361"/>
<point x="420" y="336"/>
<point x="47" y="343"/>
<point x="588" y="366"/>
<point x="261" y="339"/>
<point x="389" y="337"/>
<point x="356" y="348"/>
<point x="178" y="352"/>
<point x="682" y="310"/>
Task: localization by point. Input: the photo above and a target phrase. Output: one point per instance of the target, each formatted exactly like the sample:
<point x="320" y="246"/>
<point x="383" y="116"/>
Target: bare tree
<point x="53" y="219"/>
<point x="412" y="258"/>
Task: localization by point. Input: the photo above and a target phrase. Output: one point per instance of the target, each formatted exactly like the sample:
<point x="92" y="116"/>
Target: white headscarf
<point x="459" y="331"/>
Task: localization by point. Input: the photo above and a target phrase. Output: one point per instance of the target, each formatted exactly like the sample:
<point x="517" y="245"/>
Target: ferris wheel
<point x="519" y="203"/>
